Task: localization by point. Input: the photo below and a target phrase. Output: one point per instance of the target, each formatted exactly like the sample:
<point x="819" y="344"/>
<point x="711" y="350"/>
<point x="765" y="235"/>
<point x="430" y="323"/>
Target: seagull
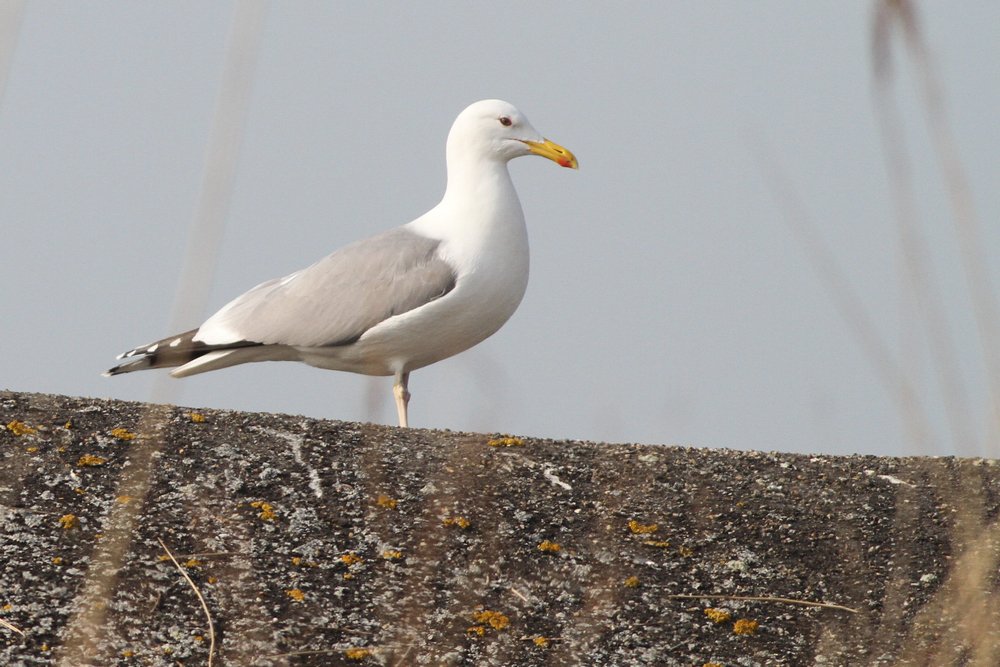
<point x="397" y="301"/>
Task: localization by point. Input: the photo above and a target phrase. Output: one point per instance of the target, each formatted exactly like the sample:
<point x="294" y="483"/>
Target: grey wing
<point x="337" y="299"/>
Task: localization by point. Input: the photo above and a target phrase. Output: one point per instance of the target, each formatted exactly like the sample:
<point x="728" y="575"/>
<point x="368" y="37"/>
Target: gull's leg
<point x="402" y="396"/>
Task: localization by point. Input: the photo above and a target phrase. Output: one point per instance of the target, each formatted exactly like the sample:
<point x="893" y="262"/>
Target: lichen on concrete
<point x="328" y="543"/>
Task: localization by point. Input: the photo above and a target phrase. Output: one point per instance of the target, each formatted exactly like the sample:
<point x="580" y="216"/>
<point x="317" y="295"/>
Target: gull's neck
<point x="477" y="181"/>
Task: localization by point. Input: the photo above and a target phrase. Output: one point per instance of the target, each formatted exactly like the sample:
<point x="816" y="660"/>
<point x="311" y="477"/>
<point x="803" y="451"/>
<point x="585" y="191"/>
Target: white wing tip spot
<point x="175" y="342"/>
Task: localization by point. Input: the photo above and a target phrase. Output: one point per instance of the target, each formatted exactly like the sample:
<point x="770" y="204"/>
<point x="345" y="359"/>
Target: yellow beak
<point x="554" y="152"/>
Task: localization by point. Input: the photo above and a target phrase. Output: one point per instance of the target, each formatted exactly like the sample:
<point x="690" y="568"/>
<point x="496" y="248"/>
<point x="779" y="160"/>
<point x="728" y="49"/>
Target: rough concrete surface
<point x="328" y="543"/>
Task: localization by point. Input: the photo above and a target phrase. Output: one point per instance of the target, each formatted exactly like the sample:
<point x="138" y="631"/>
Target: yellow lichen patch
<point x="31" y="450"/>
<point x="296" y="560"/>
<point x="348" y="576"/>
<point x="717" y="615"/>
<point x="386" y="502"/>
<point x="7" y="607"/>
<point x="392" y="554"/>
<point x="196" y="417"/>
<point x="351" y="558"/>
<point x="477" y="630"/>
<point x="642" y="528"/>
<point x="68" y="425"/>
<point x="80" y="491"/>
<point x="68" y="521"/>
<point x="357" y="653"/>
<point x="506" y="441"/>
<point x="495" y="619"/>
<point x="684" y="551"/>
<point x="712" y="664"/>
<point x="632" y="582"/>
<point x="267" y="512"/>
<point x="459" y="521"/>
<point x="192" y="562"/>
<point x="57" y="560"/>
<point x="659" y="544"/>
<point x="20" y="428"/>
<point x="745" y="626"/>
<point x="123" y="500"/>
<point x="541" y="642"/>
<point x="123" y="434"/>
<point x="296" y="594"/>
<point x="128" y="653"/>
<point x="91" y="460"/>
<point x="198" y="638"/>
<point x="211" y="579"/>
<point x="549" y="547"/>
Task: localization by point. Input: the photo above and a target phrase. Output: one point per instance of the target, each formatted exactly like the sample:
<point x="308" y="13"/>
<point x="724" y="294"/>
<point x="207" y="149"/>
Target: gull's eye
<point x="505" y="121"/>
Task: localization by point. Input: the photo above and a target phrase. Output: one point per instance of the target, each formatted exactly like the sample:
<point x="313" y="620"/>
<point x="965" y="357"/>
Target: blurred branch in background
<point x="89" y="621"/>
<point x="900" y="17"/>
<point x="221" y="159"/>
<point x="916" y="259"/>
<point x="848" y="302"/>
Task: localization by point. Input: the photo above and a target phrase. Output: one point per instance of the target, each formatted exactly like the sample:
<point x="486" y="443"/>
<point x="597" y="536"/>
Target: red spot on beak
<point x="565" y="163"/>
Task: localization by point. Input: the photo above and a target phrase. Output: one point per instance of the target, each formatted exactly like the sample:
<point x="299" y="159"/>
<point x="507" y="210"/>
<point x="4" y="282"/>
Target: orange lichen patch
<point x="57" y="560"/>
<point x="541" y="642"/>
<point x="68" y="521"/>
<point x="267" y="512"/>
<point x="296" y="594"/>
<point x="123" y="434"/>
<point x="549" y="547"/>
<point x="659" y="544"/>
<point x="392" y="554"/>
<point x="123" y="500"/>
<point x="717" y="615"/>
<point x="351" y="558"/>
<point x="477" y="630"/>
<point x="459" y="521"/>
<point x="91" y="460"/>
<point x="642" y="528"/>
<point x="296" y="560"/>
<point x="495" y="619"/>
<point x="198" y="638"/>
<point x="128" y="653"/>
<point x="506" y="441"/>
<point x="386" y="502"/>
<point x="632" y="582"/>
<point x="357" y="653"/>
<point x="712" y="664"/>
<point x="196" y="417"/>
<point x="20" y="428"/>
<point x="745" y="626"/>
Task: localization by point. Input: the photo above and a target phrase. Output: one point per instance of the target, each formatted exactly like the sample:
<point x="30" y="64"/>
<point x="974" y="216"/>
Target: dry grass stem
<point x="519" y="594"/>
<point x="13" y="628"/>
<point x="204" y="607"/>
<point x="764" y="598"/>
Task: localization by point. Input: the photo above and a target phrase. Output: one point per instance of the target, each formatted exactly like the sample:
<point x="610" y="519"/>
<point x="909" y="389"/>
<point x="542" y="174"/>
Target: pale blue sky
<point x="669" y="300"/>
